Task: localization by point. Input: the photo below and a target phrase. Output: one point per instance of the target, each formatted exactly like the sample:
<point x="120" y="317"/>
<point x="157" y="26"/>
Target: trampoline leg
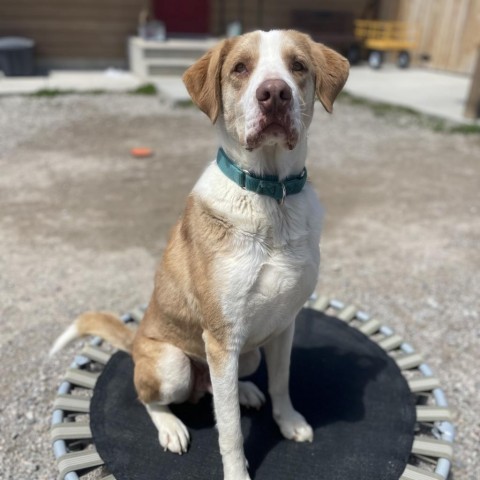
<point x="277" y="354"/>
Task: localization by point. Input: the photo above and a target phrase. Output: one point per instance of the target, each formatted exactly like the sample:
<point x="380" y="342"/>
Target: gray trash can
<point x="16" y="56"/>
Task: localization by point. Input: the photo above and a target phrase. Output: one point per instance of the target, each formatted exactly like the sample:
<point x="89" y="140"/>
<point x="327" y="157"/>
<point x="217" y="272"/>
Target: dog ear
<point x="203" y="80"/>
<point x="331" y="70"/>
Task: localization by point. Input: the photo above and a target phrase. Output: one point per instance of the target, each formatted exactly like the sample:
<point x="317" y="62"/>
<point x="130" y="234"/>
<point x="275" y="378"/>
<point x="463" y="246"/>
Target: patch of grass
<point x="397" y="113"/>
<point x="147" y="89"/>
<point x="184" y="104"/>
<point x="54" y="92"/>
<point x="51" y="92"/>
<point x="466" y="129"/>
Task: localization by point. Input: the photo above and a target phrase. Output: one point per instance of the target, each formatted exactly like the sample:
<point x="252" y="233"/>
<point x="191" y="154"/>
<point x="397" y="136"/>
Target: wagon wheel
<point x="375" y="59"/>
<point x="403" y="60"/>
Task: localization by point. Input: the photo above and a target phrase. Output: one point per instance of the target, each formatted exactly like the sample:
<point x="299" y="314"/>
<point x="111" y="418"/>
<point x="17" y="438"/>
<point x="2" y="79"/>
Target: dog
<point x="244" y="256"/>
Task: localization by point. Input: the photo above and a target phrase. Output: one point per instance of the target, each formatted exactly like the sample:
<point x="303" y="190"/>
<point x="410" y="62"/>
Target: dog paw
<point x="294" y="427"/>
<point x="173" y="435"/>
<point x="236" y="475"/>
<point x="250" y="395"/>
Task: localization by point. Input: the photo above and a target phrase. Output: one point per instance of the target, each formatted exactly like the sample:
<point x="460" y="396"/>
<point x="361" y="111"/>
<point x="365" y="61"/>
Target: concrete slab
<point x="434" y="93"/>
<point x="21" y="85"/>
<point x="111" y="80"/>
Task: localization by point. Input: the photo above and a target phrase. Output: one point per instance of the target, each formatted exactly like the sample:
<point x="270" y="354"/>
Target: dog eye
<point x="298" y="66"/>
<point x="240" y="68"/>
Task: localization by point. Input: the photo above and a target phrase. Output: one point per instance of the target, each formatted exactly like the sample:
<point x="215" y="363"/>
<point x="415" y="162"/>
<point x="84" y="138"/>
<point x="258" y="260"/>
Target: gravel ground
<point x="83" y="225"/>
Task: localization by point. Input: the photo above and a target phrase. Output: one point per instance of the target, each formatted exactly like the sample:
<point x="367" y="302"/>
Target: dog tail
<point x="100" y="324"/>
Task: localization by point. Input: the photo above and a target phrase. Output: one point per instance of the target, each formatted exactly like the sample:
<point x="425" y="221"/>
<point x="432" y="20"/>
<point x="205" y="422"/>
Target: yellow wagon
<point x="379" y="37"/>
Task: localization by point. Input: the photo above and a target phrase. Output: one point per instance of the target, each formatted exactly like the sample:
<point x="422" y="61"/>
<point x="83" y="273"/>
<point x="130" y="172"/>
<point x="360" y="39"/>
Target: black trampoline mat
<point x="348" y="388"/>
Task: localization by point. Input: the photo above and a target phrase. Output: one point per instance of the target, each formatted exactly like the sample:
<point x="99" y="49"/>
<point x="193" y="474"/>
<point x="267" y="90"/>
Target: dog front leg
<point x="277" y="354"/>
<point x="223" y="364"/>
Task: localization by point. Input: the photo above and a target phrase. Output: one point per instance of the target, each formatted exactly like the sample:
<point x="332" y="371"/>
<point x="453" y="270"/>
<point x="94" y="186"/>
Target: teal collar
<point x="267" y="185"/>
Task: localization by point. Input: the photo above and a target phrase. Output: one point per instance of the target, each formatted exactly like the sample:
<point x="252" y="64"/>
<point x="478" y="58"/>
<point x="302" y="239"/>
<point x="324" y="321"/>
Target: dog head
<point x="261" y="86"/>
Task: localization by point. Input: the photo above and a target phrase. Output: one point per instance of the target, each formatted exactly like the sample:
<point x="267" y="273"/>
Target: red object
<point x="183" y="16"/>
<point x="141" y="152"/>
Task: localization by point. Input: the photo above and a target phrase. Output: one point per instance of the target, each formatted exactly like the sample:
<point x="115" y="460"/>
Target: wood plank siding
<point x="89" y="30"/>
<point x="449" y="31"/>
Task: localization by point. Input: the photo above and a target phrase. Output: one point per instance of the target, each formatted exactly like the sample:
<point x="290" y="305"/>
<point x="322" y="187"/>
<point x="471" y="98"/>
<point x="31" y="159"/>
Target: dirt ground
<point x="82" y="226"/>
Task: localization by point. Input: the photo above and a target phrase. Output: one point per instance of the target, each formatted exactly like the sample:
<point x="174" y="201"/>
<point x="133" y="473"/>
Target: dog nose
<point x="274" y="96"/>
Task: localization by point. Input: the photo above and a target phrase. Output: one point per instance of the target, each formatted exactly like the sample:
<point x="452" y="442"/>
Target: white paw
<point x="250" y="395"/>
<point x="294" y="427"/>
<point x="173" y="435"/>
<point x="229" y="475"/>
<point x="237" y="477"/>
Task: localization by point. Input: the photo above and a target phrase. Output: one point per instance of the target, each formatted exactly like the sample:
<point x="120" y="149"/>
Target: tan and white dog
<point x="239" y="264"/>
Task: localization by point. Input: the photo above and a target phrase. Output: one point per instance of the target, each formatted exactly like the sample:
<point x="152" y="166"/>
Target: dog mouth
<point x="271" y="131"/>
<point x="275" y="130"/>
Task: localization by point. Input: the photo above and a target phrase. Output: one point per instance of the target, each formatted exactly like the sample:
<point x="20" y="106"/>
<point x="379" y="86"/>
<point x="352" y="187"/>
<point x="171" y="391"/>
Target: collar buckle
<point x="245" y="173"/>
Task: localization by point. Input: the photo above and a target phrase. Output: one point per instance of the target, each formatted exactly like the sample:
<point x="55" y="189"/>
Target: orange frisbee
<point x="141" y="152"/>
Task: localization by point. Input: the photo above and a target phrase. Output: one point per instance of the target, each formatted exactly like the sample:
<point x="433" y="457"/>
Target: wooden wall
<point x="449" y="31"/>
<point x="94" y="30"/>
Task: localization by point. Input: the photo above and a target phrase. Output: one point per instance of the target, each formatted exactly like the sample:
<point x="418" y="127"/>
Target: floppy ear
<point x="331" y="74"/>
<point x="202" y="80"/>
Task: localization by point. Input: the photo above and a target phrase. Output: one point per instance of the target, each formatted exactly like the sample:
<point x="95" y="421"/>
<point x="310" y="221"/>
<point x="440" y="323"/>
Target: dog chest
<point x="268" y="278"/>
